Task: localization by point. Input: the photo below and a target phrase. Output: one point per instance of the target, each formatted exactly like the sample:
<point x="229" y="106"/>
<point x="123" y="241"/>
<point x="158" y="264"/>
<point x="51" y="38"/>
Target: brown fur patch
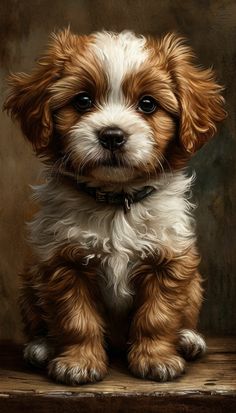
<point x="63" y="71"/>
<point x="59" y="300"/>
<point x="162" y="286"/>
<point x="198" y="94"/>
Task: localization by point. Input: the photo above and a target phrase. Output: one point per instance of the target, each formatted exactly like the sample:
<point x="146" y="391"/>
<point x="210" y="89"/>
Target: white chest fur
<point x="158" y="224"/>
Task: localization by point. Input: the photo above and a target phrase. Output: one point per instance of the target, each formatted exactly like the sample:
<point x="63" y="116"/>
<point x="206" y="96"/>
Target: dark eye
<point x="82" y="102"/>
<point x="147" y="104"/>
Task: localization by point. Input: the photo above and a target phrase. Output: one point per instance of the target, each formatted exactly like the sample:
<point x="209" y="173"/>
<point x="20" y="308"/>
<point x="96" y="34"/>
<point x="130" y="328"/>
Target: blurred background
<point x="210" y="26"/>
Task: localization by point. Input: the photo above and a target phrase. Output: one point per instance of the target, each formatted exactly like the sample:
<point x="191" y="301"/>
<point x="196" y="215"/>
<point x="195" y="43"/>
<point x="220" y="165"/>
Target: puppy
<point x="115" y="118"/>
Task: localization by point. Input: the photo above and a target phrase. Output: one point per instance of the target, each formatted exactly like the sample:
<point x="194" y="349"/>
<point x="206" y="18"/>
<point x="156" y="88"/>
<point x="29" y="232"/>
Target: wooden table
<point x="209" y="385"/>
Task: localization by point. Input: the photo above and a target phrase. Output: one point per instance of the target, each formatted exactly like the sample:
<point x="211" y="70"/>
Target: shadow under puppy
<point x="114" y="117"/>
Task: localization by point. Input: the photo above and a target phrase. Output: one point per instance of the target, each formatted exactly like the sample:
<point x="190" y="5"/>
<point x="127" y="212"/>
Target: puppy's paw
<point x="73" y="372"/>
<point x="191" y="344"/>
<point x="156" y="366"/>
<point x="38" y="352"/>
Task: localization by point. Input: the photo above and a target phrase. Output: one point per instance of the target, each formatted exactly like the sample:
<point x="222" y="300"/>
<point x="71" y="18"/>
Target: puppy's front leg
<point x="160" y="300"/>
<point x="76" y="326"/>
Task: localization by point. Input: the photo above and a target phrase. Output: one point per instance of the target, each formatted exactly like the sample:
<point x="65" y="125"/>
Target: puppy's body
<point x="116" y="117"/>
<point x="160" y="224"/>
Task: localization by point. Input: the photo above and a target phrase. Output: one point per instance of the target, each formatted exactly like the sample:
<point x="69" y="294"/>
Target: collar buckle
<point x="127" y="203"/>
<point x="101" y="196"/>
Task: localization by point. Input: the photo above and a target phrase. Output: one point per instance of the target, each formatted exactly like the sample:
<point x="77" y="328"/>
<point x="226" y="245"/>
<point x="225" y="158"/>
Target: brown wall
<point x="211" y="29"/>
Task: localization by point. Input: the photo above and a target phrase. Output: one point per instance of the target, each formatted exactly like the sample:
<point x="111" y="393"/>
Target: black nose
<point x="111" y="138"/>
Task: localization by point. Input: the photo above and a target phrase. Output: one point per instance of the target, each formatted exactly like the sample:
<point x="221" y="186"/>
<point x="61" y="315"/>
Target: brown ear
<point x="29" y="97"/>
<point x="201" y="104"/>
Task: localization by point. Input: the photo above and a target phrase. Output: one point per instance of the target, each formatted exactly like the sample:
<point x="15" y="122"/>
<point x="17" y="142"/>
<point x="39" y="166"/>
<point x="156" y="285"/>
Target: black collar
<point x="123" y="199"/>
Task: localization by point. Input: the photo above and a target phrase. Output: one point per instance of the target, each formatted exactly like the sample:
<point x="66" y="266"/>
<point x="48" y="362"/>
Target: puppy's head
<point x="116" y="107"/>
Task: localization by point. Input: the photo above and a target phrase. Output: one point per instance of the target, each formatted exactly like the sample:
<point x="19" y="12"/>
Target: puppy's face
<point x="115" y="114"/>
<point x="116" y="107"/>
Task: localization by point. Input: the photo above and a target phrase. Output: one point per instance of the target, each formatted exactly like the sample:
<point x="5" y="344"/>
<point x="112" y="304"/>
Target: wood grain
<point x="209" y="385"/>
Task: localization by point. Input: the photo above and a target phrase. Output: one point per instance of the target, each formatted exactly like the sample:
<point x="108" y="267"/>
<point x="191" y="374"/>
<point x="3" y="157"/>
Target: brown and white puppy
<point x="115" y="117"/>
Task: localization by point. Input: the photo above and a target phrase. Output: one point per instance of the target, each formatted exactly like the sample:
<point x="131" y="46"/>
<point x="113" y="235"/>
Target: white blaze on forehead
<point x="118" y="55"/>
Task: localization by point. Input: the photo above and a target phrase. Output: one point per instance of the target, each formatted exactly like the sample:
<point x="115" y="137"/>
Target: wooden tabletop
<point x="209" y="385"/>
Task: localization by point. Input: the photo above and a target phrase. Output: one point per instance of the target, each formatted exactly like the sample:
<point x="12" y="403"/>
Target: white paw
<point x="38" y="352"/>
<point x="73" y="373"/>
<point x="191" y="344"/>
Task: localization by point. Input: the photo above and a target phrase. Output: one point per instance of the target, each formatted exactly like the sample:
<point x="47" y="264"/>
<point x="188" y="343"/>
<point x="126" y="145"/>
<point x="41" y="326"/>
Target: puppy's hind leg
<point x="38" y="350"/>
<point x="191" y="344"/>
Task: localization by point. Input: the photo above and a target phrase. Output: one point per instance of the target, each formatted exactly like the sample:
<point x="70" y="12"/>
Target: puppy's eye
<point x="147" y="104"/>
<point x="82" y="102"/>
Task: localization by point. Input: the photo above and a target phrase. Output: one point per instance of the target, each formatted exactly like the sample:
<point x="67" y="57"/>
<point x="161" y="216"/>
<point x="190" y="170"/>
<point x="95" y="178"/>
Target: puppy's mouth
<point x="113" y="160"/>
<point x="112" y="168"/>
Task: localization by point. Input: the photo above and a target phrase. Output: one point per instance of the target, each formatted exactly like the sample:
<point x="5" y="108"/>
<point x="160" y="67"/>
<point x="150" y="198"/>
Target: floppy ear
<point x="200" y="101"/>
<point x="29" y="96"/>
